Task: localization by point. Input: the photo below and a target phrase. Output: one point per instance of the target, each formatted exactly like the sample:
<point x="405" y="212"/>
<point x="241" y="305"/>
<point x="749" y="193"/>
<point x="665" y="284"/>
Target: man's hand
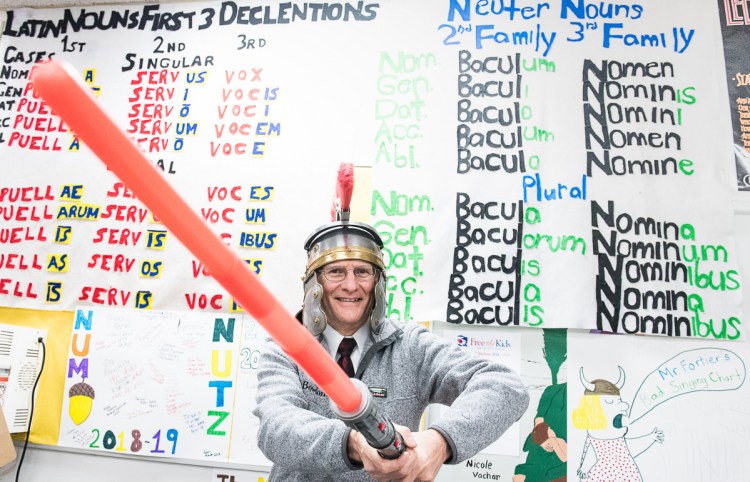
<point x="401" y="469"/>
<point x="431" y="452"/>
<point x="425" y="454"/>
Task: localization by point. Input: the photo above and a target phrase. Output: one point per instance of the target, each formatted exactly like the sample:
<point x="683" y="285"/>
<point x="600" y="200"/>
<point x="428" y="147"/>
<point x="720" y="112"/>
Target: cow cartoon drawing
<point x="609" y="452"/>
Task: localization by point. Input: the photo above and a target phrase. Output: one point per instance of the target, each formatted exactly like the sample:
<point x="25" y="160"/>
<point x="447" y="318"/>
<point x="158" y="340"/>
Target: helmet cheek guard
<point x="313" y="315"/>
<point x="341" y="240"/>
<point x="378" y="310"/>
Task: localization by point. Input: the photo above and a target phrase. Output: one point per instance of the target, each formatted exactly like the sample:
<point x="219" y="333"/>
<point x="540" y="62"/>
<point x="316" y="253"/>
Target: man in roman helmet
<point x="404" y="366"/>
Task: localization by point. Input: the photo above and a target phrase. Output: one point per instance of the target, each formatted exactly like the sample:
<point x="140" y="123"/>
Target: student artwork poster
<point x="175" y="385"/>
<point x="657" y="410"/>
<point x="502" y="347"/>
<point x="541" y="357"/>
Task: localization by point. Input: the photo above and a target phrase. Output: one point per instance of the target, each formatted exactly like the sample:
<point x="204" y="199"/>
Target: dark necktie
<point x="346" y="347"/>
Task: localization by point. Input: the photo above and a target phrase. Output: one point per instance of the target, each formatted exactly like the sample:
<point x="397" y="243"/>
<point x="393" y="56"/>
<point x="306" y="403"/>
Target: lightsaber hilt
<point x="373" y="424"/>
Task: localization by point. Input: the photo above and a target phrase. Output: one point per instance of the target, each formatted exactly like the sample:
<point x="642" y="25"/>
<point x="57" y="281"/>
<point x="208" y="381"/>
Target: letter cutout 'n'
<point x="224" y="331"/>
<point x="83" y="320"/>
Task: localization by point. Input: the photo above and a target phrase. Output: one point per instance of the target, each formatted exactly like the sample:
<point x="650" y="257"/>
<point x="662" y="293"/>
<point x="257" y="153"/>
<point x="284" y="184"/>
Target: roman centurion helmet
<point x="341" y="239"/>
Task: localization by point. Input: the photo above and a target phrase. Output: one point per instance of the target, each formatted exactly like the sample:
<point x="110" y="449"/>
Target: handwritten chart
<point x="527" y="163"/>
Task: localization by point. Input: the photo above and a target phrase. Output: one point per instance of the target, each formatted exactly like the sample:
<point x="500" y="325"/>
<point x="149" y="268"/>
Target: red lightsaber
<point x="75" y="103"/>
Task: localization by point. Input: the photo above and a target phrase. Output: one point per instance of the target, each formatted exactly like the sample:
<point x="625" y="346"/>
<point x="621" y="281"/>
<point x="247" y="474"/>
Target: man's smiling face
<point x="348" y="302"/>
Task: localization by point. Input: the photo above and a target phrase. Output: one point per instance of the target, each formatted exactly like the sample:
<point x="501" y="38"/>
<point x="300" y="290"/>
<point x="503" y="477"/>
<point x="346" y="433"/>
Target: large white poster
<point x="533" y="164"/>
<point x="577" y="174"/>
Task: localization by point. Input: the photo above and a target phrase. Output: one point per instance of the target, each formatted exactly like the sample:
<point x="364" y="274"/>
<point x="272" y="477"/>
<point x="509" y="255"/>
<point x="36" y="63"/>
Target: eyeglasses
<point x="337" y="273"/>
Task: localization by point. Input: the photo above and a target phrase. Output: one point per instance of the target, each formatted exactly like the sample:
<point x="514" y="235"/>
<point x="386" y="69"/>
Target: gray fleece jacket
<point x="409" y="367"/>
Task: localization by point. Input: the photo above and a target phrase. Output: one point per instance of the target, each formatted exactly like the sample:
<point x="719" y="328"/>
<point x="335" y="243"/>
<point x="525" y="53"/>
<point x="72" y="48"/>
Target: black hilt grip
<point x="394" y="450"/>
<point x="373" y="424"/>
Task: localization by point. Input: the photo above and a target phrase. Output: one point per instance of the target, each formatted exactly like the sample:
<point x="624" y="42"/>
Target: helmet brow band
<point x="342" y="253"/>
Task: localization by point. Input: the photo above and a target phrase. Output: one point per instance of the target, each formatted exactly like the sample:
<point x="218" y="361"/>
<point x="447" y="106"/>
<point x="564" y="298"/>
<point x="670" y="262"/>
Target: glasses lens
<point x="334" y="274"/>
<point x="337" y="274"/>
<point x="363" y="272"/>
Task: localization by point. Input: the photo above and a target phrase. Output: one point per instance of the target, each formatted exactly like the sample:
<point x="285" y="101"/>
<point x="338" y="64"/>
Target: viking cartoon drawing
<point x="608" y="455"/>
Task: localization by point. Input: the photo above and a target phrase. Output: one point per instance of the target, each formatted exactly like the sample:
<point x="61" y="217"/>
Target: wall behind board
<point x="485" y="220"/>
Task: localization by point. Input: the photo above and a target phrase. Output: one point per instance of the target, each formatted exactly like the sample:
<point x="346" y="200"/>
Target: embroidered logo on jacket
<point x="313" y="388"/>
<point x="379" y="392"/>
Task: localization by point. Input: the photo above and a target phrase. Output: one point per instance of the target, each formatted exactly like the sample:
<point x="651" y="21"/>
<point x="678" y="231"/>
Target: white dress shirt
<point x="362" y="336"/>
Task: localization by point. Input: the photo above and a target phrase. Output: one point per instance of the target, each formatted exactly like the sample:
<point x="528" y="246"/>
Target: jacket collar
<point x="389" y="332"/>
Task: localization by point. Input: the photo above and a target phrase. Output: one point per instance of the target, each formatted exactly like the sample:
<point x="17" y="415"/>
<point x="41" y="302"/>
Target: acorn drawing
<point x="81" y="400"/>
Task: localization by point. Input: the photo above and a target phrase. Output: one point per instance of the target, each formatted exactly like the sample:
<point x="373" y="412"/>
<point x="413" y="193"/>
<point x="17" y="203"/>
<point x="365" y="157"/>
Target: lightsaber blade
<point x="76" y="104"/>
<point x="72" y="100"/>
